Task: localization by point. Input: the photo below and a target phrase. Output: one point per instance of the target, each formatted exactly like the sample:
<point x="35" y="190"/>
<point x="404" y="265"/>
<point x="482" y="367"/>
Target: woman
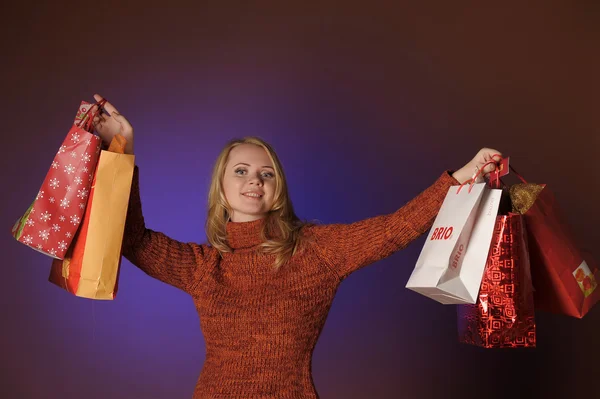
<point x="264" y="283"/>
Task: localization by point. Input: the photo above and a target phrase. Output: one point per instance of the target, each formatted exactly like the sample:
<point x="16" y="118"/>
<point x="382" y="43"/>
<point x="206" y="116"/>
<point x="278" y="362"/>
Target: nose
<point x="256" y="180"/>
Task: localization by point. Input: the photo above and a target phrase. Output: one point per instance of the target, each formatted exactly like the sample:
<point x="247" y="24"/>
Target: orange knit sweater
<point x="260" y="326"/>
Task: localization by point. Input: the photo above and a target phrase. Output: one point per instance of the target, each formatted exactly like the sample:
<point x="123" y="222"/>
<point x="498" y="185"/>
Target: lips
<point x="253" y="194"/>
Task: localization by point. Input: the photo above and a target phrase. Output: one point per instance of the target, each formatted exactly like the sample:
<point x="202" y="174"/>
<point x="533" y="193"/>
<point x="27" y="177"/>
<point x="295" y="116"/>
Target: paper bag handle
<point x="89" y="121"/>
<point x="472" y="180"/>
<point x="497" y="171"/>
<point x="117" y="144"/>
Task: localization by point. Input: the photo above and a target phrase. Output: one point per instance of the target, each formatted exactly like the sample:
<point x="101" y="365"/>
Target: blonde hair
<point x="281" y="232"/>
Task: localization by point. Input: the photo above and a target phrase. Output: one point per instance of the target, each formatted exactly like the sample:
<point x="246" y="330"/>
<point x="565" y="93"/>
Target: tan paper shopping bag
<point x="91" y="266"/>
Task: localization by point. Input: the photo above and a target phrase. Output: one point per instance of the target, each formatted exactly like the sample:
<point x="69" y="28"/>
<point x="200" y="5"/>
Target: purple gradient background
<point x="366" y="104"/>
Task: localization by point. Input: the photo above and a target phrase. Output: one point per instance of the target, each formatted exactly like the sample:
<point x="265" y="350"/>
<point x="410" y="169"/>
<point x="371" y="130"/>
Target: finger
<point x="118" y="117"/>
<point x="96" y="111"/>
<point x="99" y="118"/>
<point x="492" y="154"/>
<point x="496" y="155"/>
<point x="107" y="106"/>
<point x="92" y="111"/>
<point x="122" y="120"/>
<point x="98" y="125"/>
<point x="98" y="98"/>
<point x="489" y="169"/>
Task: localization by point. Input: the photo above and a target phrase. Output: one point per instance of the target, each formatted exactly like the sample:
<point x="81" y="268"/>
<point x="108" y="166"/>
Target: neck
<point x="246" y="234"/>
<point x="245" y="218"/>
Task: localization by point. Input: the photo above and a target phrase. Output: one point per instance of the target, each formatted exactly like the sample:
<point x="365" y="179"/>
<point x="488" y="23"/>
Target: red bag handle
<point x="518" y="175"/>
<point x="511" y="168"/>
<point x="89" y="122"/>
<point x="472" y="180"/>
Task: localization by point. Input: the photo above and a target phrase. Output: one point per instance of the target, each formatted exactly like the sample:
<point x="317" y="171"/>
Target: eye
<point x="265" y="175"/>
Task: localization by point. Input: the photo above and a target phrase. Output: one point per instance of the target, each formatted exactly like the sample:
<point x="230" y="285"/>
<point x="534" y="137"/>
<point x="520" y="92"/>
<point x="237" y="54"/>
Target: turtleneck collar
<point x="244" y="234"/>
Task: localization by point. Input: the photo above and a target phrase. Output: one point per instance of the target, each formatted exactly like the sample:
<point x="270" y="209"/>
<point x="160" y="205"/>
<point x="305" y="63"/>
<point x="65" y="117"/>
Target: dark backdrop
<point x="366" y="104"/>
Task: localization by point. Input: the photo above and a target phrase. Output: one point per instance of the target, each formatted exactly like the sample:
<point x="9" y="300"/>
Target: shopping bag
<point x="503" y="316"/>
<point x="91" y="266"/>
<point x="451" y="263"/>
<point x="565" y="278"/>
<point x="50" y="222"/>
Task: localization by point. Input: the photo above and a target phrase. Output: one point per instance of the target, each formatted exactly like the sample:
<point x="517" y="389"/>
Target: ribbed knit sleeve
<point x="349" y="247"/>
<point x="173" y="262"/>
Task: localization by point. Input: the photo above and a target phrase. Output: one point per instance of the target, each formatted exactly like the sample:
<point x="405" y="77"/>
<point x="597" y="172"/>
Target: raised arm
<point x="179" y="264"/>
<point x="349" y="247"/>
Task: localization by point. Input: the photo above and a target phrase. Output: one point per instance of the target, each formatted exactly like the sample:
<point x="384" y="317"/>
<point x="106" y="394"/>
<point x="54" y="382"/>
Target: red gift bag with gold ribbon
<point x="503" y="316"/>
<point x="50" y="222"/>
<point x="565" y="277"/>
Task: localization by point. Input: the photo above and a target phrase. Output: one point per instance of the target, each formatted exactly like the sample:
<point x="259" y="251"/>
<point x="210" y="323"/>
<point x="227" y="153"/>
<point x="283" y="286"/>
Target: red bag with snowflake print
<point x="51" y="221"/>
<point x="91" y="266"/>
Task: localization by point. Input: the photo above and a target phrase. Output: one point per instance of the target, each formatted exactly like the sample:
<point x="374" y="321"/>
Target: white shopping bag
<point x="451" y="264"/>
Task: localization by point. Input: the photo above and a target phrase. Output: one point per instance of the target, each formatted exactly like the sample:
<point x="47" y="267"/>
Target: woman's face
<point x="249" y="182"/>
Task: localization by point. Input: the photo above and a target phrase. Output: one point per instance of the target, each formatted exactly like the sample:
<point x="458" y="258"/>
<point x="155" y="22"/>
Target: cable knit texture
<point x="261" y="326"/>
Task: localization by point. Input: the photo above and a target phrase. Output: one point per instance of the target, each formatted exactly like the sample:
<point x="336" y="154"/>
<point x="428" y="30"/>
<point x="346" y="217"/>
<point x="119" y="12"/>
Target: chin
<point x="249" y="213"/>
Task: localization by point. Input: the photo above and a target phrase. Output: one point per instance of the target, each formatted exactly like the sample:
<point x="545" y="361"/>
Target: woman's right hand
<point x="108" y="126"/>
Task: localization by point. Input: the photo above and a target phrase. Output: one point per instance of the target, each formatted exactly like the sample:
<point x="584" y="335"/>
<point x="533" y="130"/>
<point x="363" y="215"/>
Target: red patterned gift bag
<point x="565" y="277"/>
<point x="51" y="221"/>
<point x="503" y="316"/>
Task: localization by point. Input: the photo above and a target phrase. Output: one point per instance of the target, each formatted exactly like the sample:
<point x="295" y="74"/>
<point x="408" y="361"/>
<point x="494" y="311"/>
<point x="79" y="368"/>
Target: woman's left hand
<point x="484" y="156"/>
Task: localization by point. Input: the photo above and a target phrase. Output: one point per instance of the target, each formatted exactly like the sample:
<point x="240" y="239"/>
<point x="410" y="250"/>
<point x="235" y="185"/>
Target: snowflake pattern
<point x="56" y="227"/>
<point x="54" y="183"/>
<point x="69" y="169"/>
<point x="82" y="193"/>
<point x="75" y="137"/>
<point x="82" y="205"/>
<point x="55" y="165"/>
<point x="30" y="222"/>
<point x="78" y="180"/>
<point x="28" y="239"/>
<point x="39" y="246"/>
<point x="62" y="149"/>
<point x="62" y="245"/>
<point x="52" y="251"/>
<point x="86" y="157"/>
<point x="61" y="218"/>
<point x="40" y="195"/>
<point x="68" y="234"/>
<point x="68" y="188"/>
<point x="88" y="141"/>
<point x="51" y="199"/>
<point x="73" y="154"/>
<point x="45" y="216"/>
<point x="85" y="169"/>
<point x="44" y="234"/>
<point x="65" y="203"/>
<point x="75" y="219"/>
<point x="32" y="210"/>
